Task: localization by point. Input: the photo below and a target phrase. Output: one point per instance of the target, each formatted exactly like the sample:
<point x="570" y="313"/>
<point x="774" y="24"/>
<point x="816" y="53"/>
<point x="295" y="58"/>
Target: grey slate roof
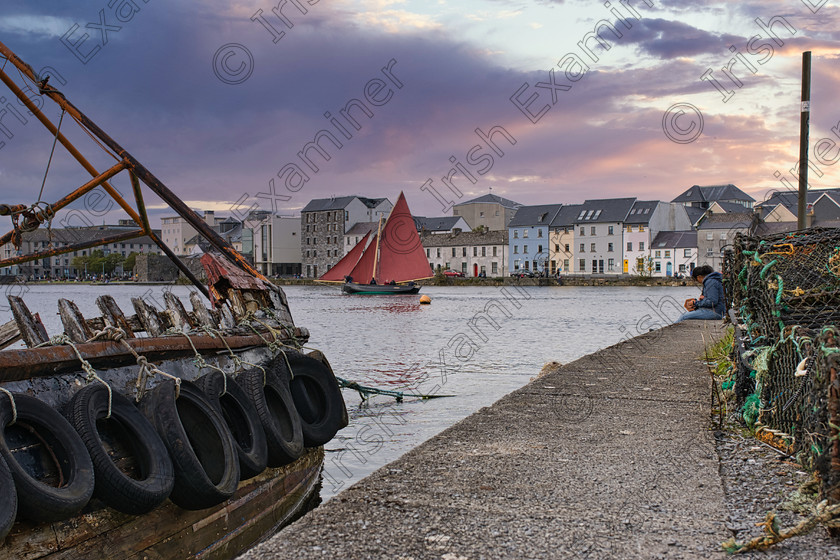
<point x="790" y="199"/>
<point x="731" y="207"/>
<point x="727" y="221"/>
<point x="361" y="228"/>
<point x="712" y="193"/>
<point x="694" y="214"/>
<point x="492" y="198"/>
<point x="338" y="203"/>
<point x="441" y="223"/>
<point x="604" y="210"/>
<point x="539" y="215"/>
<point x="566" y="216"/>
<point x="641" y="212"/>
<point x="496" y="237"/>
<point x="83" y="235"/>
<point x="675" y="240"/>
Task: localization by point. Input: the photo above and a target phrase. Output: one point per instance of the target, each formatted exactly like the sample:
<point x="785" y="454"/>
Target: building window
<point x="475" y="251"/>
<point x="525" y="249"/>
<point x="516" y="249"/>
<point x="710" y="236"/>
<point x="494" y="267"/>
<point x="566" y="265"/>
<point x="610" y="230"/>
<point x="657" y="267"/>
<point x="516" y="234"/>
<point x="657" y="254"/>
<point x="524" y="233"/>
<point x="539" y="233"/>
<point x="641" y="228"/>
<point x="592" y="230"/>
<point x="629" y="229"/>
<point x="641" y="245"/>
<point x="453" y="251"/>
<point x="427" y="253"/>
<point x="710" y="252"/>
<point x="582" y="265"/>
<point x="438" y="252"/>
<point x="567" y="247"/>
<point x="592" y="247"/>
<point x="484" y="251"/>
<point x="594" y="266"/>
<point x="610" y="265"/>
<point x="582" y="247"/>
<point x="583" y="232"/>
<point x="494" y="250"/>
<point x="682" y="268"/>
<point x="609" y="248"/>
<point x="687" y="253"/>
<point x="481" y="214"/>
<point x="723" y="237"/>
<point x="556" y="247"/>
<point x="539" y="249"/>
<point x="629" y="246"/>
<point x="668" y="254"/>
<point x="516" y="264"/>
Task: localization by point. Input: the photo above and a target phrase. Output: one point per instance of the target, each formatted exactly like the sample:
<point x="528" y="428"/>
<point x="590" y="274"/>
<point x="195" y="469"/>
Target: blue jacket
<point x="713" y="293"/>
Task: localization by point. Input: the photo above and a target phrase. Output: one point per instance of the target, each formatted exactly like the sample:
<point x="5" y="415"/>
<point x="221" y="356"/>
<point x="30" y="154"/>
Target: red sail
<point x="363" y="271"/>
<point x="401" y="254"/>
<point x="343" y="267"/>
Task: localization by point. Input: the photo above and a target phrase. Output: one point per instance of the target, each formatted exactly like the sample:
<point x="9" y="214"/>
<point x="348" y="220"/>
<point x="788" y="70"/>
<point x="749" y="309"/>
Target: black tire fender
<point x="241" y="417"/>
<point x="199" y="443"/>
<point x="129" y="436"/>
<point x="276" y="412"/>
<point x="51" y="468"/>
<point x="317" y="398"/>
<point x="8" y="505"/>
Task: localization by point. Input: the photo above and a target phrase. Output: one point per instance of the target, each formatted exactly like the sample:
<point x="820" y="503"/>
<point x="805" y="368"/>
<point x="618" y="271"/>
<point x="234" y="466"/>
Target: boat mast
<point x="376" y="254"/>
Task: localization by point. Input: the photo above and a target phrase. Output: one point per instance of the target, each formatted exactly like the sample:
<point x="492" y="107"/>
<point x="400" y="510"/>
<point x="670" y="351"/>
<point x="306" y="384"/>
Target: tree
<point x="98" y="262"/>
<point x="130" y="261"/>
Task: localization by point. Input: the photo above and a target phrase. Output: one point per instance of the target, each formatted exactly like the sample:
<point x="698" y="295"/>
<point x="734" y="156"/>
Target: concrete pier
<point x="610" y="456"/>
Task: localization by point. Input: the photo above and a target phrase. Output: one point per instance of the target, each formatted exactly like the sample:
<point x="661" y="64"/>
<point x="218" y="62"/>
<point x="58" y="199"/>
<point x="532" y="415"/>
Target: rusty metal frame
<point x="125" y="161"/>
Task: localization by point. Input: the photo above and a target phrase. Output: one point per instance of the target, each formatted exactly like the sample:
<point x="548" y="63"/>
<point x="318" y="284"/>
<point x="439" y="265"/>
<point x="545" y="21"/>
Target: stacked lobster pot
<point x="785" y="293"/>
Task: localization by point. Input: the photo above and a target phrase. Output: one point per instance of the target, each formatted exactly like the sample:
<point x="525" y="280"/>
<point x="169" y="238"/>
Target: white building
<point x="674" y="252"/>
<point x="646" y="219"/>
<point x="176" y="231"/>
<point x="277" y="245"/>
<point x="467" y="252"/>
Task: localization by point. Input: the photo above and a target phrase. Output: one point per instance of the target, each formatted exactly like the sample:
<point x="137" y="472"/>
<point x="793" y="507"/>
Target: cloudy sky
<point x="223" y="100"/>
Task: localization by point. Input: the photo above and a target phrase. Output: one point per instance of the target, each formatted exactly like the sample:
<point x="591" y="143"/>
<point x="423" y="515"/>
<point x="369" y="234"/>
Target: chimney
<point x="210" y="217"/>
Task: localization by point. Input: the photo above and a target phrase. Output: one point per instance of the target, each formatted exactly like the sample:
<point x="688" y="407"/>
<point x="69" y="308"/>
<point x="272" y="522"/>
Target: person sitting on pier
<point x="712" y="303"/>
<point x="373" y="281"/>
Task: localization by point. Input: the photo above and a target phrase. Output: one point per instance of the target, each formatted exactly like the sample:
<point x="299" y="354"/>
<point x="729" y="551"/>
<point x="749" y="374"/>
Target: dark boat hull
<point x="378" y="289"/>
<point x="259" y="508"/>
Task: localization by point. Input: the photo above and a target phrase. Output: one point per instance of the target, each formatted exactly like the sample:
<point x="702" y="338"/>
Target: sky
<point x="239" y="105"/>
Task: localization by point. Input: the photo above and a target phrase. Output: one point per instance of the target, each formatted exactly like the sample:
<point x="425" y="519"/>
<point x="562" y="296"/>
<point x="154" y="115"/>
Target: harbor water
<point x="473" y="343"/>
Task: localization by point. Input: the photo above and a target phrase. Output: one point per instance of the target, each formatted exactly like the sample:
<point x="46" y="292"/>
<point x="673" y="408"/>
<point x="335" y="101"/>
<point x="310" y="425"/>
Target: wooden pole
<point x="804" y="119"/>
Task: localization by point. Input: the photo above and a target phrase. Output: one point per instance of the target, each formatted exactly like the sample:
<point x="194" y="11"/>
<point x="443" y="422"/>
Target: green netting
<point x="785" y="290"/>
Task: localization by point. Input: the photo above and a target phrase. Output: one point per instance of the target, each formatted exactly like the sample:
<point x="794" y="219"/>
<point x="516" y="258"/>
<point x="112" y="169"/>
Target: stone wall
<point x="155" y="268"/>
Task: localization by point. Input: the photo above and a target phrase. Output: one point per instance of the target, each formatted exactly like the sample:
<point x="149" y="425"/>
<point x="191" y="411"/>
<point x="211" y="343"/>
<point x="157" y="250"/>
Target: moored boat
<point x="390" y="264"/>
<point x="165" y="433"/>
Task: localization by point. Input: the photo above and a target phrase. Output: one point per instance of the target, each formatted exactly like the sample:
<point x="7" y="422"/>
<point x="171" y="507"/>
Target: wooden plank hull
<point x="259" y="508"/>
<point x="378" y="289"/>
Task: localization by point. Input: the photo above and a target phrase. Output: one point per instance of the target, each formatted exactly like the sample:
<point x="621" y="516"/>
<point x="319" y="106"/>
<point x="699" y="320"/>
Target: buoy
<point x="425" y="299"/>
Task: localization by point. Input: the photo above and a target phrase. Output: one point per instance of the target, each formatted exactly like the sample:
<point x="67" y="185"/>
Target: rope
<point x="118" y="335"/>
<point x="14" y="406"/>
<point x="824" y="514"/>
<point x="88" y="369"/>
<point x="199" y="360"/>
<point x="237" y="361"/>
<point x="49" y="161"/>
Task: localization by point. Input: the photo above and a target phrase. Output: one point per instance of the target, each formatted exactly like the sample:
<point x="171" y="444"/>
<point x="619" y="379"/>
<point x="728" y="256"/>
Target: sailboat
<point x="390" y="264"/>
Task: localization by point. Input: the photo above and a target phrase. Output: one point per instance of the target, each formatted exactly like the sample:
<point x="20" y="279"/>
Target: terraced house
<point x="467" y="252"/>
<point x="528" y="238"/>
